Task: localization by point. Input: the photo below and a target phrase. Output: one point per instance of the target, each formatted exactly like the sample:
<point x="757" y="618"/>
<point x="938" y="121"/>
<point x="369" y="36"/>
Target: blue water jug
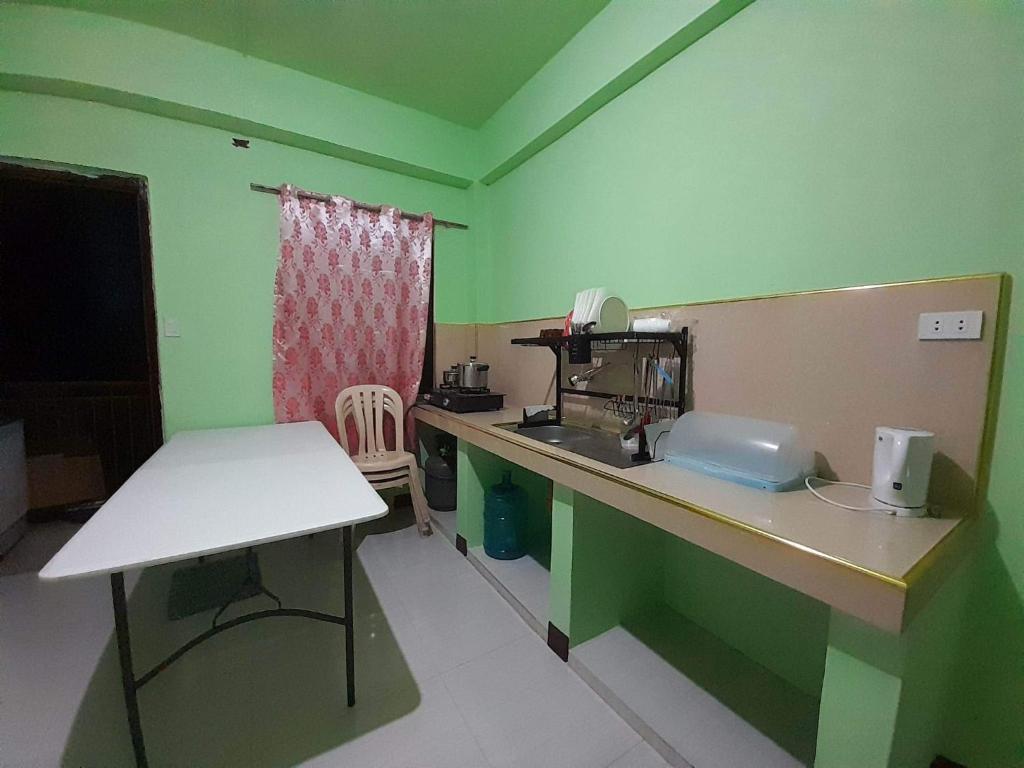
<point x="505" y="520"/>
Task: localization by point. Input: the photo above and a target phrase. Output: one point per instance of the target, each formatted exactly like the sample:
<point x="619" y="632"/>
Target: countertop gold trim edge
<point x="892" y="581"/>
<point x="759" y="297"/>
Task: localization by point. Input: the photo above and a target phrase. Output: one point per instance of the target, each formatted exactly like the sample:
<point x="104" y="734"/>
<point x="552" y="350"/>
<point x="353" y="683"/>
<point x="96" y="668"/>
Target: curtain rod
<point x="364" y="206"/>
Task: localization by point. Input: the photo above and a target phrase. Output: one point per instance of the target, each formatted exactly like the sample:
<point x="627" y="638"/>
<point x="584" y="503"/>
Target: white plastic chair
<point x="367" y="406"/>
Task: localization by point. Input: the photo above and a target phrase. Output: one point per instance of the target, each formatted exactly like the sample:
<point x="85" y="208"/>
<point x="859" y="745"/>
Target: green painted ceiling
<point x="457" y="59"/>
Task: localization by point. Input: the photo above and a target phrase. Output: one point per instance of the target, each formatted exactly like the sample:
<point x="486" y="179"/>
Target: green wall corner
<point x="478" y="471"/>
<point x="475" y="473"/>
<point x="857" y="718"/>
<point x="790" y="629"/>
<point x="215" y="242"/>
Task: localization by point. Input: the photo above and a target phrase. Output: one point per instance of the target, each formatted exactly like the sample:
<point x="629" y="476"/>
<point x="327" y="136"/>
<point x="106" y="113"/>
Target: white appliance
<point x="902" y="468"/>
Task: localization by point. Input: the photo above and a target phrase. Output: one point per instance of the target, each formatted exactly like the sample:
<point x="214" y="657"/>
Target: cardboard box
<point x="57" y="480"/>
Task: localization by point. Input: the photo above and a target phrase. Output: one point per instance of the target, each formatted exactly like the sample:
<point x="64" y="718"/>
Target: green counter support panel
<point x="623" y="594"/>
<point x="860" y="697"/>
<point x="882" y="699"/>
<point x="469" y="522"/>
<point x="616" y="568"/>
<point x="601" y="568"/>
<point x="560" y="587"/>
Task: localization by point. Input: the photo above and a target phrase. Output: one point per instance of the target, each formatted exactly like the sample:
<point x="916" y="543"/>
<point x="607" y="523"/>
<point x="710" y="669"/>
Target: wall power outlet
<point x="950" y="325"/>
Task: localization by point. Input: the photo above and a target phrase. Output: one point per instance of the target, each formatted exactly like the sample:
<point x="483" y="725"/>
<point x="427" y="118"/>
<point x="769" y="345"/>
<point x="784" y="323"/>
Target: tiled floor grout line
<point x="529" y="631"/>
<point x="465" y="722"/>
<point x="532" y="631"/>
<point x="507" y="595"/>
<point x="647" y="734"/>
<point x="620" y="756"/>
<point x="488" y="652"/>
<point x="384" y="565"/>
<point x="440" y="673"/>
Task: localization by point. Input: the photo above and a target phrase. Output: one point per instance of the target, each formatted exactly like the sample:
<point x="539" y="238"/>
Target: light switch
<point x="171" y="327"/>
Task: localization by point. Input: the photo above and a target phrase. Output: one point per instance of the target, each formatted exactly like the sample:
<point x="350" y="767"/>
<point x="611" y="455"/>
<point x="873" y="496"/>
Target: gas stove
<point x="465" y="400"/>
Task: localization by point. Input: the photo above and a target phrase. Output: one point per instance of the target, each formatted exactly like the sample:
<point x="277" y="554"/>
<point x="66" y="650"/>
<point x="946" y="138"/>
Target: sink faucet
<point x="631" y="429"/>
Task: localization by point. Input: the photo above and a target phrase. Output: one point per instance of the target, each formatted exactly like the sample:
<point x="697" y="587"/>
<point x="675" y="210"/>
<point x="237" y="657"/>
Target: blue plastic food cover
<point x="753" y="452"/>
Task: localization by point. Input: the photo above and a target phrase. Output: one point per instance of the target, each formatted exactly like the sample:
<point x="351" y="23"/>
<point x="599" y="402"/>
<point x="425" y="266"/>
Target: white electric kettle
<point x="902" y="468"/>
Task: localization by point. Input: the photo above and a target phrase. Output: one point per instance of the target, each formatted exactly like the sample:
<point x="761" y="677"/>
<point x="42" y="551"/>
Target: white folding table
<point x="212" y="491"/>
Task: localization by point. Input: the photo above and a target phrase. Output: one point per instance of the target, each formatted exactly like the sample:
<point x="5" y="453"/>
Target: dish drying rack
<point x="621" y="404"/>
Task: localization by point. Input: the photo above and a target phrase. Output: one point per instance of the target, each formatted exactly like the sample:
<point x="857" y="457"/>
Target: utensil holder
<point x="579" y="348"/>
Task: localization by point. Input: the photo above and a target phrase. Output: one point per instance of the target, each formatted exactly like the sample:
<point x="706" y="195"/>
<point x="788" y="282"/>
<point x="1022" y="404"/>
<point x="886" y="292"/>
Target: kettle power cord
<point x="812" y="489"/>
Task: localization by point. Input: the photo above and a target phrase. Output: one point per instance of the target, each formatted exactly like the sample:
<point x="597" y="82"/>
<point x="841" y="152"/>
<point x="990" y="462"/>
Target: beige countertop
<point x="863" y="563"/>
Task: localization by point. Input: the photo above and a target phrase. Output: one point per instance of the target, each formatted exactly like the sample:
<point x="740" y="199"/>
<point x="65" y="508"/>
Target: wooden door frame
<point x="427" y="375"/>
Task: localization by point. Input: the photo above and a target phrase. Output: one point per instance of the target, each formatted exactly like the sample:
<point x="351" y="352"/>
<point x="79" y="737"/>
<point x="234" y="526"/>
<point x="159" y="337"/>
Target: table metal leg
<point x="350" y="659"/>
<point x="131" y="685"/>
<point x="124" y="652"/>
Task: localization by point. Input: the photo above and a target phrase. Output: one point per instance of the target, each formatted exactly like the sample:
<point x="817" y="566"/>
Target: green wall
<point x="781" y="629"/>
<point x="89" y="56"/>
<point x="633" y="37"/>
<point x="811" y="145"/>
<point x="799" y="145"/>
<point x="618" y="567"/>
<point x="215" y="241"/>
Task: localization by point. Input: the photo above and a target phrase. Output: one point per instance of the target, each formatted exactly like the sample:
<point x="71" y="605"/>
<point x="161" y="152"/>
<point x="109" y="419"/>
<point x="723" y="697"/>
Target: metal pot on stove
<point x="452" y="376"/>
<point x="473" y="375"/>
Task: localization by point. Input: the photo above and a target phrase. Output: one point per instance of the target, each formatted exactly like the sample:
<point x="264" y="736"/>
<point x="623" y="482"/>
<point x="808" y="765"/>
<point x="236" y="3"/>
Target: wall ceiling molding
<point x="100" y="58"/>
<point x="459" y="60"/>
<point x="134" y="66"/>
<point x="622" y="45"/>
<point x="224" y="122"/>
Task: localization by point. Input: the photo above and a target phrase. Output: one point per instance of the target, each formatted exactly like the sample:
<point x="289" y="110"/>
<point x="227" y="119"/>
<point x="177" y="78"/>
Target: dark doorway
<point x="78" y="363"/>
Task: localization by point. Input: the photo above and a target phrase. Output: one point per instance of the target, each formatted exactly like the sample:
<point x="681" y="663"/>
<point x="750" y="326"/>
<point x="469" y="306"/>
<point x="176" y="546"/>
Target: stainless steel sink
<point x="595" y="444"/>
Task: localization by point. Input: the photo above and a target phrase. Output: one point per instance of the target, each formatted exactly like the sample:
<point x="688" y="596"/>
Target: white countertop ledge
<point x="861" y="562"/>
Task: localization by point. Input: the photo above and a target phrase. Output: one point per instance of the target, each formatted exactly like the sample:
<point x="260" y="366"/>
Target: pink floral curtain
<point x="351" y="302"/>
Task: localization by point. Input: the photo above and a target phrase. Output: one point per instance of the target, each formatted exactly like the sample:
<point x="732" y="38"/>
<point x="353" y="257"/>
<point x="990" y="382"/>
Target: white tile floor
<point x="525" y="579"/>
<point x="702" y="730"/>
<point x="38" y="548"/>
<point x="445" y="522"/>
<point x="447" y="673"/>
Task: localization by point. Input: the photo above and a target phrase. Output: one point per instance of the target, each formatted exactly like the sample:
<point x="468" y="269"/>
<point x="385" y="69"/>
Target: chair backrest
<point x="368" y="404"/>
